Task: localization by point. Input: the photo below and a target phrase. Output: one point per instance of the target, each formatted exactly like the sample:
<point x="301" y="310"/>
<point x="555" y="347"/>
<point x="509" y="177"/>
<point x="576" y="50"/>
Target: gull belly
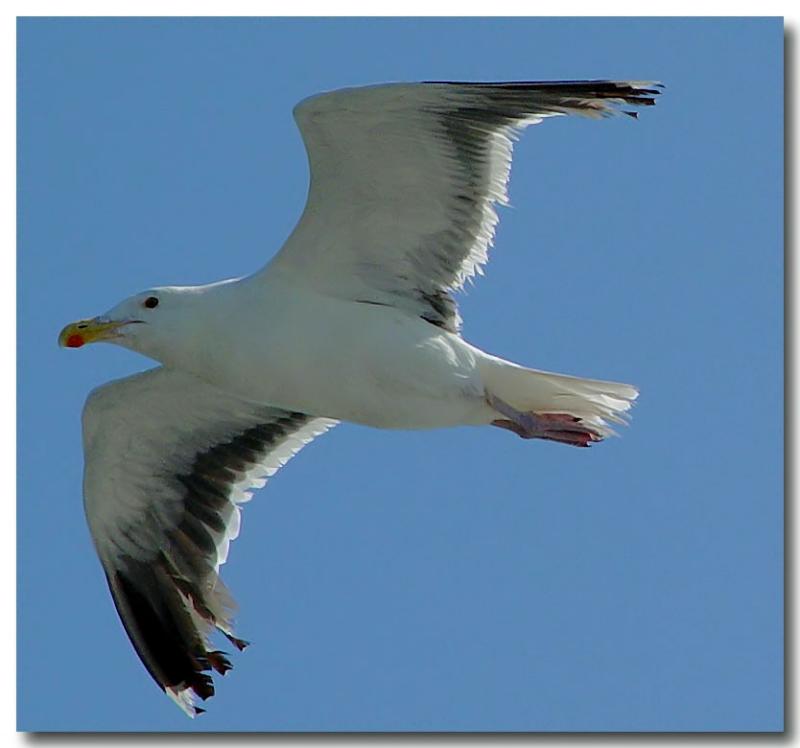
<point x="366" y="363"/>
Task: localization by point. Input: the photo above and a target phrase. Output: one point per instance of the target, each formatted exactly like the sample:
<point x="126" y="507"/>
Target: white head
<point x="153" y="322"/>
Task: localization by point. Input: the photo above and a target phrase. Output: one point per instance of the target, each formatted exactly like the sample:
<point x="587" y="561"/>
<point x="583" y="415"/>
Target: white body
<point x="369" y="364"/>
<point x="351" y="361"/>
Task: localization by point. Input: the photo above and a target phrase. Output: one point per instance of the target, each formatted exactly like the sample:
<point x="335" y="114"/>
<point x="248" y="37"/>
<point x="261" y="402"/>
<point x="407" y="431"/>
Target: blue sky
<point x="460" y="579"/>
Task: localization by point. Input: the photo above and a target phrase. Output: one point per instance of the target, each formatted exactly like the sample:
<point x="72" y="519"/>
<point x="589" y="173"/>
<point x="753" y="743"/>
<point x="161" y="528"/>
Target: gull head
<point x="150" y="322"/>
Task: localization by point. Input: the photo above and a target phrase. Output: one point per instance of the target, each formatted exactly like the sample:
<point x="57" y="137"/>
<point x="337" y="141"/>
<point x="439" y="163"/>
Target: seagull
<point x="354" y="319"/>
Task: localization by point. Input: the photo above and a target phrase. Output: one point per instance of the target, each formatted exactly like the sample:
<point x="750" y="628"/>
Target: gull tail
<point x="592" y="403"/>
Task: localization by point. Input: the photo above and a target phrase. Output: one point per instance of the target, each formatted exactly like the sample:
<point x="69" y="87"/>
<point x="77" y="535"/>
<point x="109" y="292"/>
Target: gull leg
<point x="557" y="427"/>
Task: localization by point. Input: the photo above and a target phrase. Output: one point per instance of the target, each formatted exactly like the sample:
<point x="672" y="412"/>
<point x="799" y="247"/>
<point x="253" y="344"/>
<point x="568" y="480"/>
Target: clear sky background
<point x="460" y="579"/>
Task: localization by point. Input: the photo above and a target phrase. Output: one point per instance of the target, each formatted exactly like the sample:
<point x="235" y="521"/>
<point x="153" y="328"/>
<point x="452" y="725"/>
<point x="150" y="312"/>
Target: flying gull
<point x="353" y="320"/>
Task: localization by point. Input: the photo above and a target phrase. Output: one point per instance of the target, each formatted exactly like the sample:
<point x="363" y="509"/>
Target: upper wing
<point x="168" y="460"/>
<point x="404" y="178"/>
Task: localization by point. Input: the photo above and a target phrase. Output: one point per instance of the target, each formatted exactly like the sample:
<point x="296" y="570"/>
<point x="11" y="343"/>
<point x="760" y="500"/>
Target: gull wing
<point x="168" y="462"/>
<point x="405" y="177"/>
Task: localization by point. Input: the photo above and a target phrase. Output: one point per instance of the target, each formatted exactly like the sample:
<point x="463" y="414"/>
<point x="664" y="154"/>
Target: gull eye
<point x="151" y="302"/>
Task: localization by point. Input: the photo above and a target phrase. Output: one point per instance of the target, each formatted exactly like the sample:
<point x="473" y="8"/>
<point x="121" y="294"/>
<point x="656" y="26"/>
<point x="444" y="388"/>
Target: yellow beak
<point x="86" y="331"/>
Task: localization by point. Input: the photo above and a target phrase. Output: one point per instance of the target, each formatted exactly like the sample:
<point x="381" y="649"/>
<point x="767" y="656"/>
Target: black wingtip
<point x="578" y="94"/>
<point x="240" y="644"/>
<point x="161" y="629"/>
<point x="219" y="662"/>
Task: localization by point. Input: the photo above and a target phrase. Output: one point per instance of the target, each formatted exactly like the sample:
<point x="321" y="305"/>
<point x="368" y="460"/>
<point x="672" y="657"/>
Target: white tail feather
<point x="592" y="400"/>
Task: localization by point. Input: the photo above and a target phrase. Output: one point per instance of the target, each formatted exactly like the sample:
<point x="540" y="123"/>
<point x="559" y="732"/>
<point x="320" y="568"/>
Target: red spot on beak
<point x="75" y="341"/>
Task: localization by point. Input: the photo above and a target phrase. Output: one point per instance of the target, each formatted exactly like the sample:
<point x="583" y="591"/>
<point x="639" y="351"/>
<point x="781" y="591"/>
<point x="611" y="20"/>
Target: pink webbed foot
<point x="557" y="427"/>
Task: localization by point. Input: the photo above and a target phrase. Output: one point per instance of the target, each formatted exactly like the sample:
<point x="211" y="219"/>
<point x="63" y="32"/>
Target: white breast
<point x="365" y="363"/>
